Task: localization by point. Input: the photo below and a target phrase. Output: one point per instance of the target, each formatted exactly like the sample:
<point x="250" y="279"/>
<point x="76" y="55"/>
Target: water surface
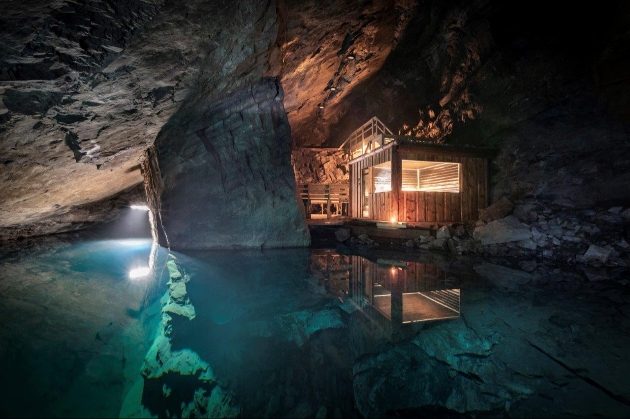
<point x="300" y="333"/>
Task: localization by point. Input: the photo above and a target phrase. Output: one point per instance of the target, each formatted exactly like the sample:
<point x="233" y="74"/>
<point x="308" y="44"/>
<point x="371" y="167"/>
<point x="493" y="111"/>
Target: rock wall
<point x="226" y="174"/>
<point x="545" y="89"/>
<point x="313" y="165"/>
<point x="85" y="87"/>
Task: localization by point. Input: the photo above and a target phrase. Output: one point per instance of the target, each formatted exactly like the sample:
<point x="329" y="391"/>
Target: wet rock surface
<point x="177" y="382"/>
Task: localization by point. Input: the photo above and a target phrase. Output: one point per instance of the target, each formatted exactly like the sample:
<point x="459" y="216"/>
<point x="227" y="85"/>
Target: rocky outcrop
<point x="167" y="368"/>
<point x="328" y="165"/>
<point x="85" y="87"/>
<point x="499" y="209"/>
<point x="226" y="174"/>
<point x="505" y="230"/>
<point x="330" y="50"/>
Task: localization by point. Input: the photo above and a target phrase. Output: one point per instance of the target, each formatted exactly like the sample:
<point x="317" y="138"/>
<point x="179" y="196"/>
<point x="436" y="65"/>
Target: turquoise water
<point x="300" y="333"/>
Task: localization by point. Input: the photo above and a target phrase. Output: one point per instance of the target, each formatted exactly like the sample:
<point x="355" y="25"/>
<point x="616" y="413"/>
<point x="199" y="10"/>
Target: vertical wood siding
<point x="424" y="206"/>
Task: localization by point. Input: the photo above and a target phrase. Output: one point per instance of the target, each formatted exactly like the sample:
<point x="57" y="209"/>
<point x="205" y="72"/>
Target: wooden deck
<point x="332" y="199"/>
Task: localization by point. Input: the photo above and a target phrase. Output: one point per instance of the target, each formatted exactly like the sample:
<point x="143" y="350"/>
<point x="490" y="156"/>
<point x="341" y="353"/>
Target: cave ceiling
<point x="86" y="86"/>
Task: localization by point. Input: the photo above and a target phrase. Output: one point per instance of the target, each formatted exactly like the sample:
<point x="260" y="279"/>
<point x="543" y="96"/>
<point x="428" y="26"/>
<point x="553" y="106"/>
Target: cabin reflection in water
<point x="402" y="292"/>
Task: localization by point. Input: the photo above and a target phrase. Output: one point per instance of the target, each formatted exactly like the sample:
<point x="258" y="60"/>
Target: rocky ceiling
<point x="86" y="86"/>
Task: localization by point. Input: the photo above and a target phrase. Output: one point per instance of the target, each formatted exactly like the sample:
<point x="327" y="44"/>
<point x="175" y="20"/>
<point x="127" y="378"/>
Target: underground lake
<point x="93" y="326"/>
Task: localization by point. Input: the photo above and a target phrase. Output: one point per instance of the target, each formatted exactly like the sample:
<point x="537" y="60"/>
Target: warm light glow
<point x="393" y="220"/>
<point x="139" y="272"/>
<point x="140" y="207"/>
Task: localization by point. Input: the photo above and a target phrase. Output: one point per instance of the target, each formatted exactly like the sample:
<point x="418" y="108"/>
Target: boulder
<point x="460" y="231"/>
<point x="499" y="209"/>
<point x="596" y="254"/>
<point x="342" y="234"/>
<point x="443" y="233"/>
<point x="522" y="212"/>
<point x="439" y="244"/>
<point x="528" y="265"/>
<point x="505" y="230"/>
<point x="466" y="245"/>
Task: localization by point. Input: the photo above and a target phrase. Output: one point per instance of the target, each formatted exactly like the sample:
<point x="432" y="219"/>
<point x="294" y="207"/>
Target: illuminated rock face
<point x="85" y="87"/>
<point x="226" y="174"/>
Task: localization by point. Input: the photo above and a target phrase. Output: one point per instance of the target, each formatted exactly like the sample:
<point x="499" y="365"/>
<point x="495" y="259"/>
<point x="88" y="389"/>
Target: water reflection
<point x="401" y="291"/>
<point x="145" y="271"/>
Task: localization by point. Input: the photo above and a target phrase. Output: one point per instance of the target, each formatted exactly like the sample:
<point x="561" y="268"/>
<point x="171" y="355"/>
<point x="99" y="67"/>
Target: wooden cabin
<point x="397" y="178"/>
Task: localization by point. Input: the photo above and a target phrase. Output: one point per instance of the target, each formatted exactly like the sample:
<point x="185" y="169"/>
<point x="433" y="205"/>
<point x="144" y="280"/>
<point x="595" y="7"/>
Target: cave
<point x="297" y="208"/>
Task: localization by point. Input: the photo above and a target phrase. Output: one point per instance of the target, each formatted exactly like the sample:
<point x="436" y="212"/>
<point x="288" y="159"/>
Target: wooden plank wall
<point x="445" y="206"/>
<point x="425" y="206"/>
<point x="380" y="204"/>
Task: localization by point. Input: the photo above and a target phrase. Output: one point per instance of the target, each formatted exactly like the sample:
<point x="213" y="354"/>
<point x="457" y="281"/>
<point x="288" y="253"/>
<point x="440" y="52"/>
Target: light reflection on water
<point x="293" y="332"/>
<point x="401" y="291"/>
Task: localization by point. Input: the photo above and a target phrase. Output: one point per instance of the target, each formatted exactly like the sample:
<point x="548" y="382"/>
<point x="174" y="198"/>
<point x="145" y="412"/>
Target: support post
<point x="396" y="183"/>
<point x="327" y="192"/>
<point x="352" y="184"/>
<point x="397" y="309"/>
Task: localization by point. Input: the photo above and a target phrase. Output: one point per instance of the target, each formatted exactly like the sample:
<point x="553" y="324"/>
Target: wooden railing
<point x="366" y="138"/>
<point x="325" y="195"/>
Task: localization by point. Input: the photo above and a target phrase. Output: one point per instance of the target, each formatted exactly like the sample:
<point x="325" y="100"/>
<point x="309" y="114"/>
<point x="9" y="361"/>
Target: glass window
<point x="419" y="176"/>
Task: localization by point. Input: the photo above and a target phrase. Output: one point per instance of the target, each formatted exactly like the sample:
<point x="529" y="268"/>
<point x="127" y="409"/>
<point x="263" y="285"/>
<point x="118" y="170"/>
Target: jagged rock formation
<point x="312" y="165"/>
<point x="328" y="51"/>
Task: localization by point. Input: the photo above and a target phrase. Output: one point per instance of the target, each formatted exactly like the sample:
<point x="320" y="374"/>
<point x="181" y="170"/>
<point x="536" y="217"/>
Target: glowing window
<point x="419" y="176"/>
